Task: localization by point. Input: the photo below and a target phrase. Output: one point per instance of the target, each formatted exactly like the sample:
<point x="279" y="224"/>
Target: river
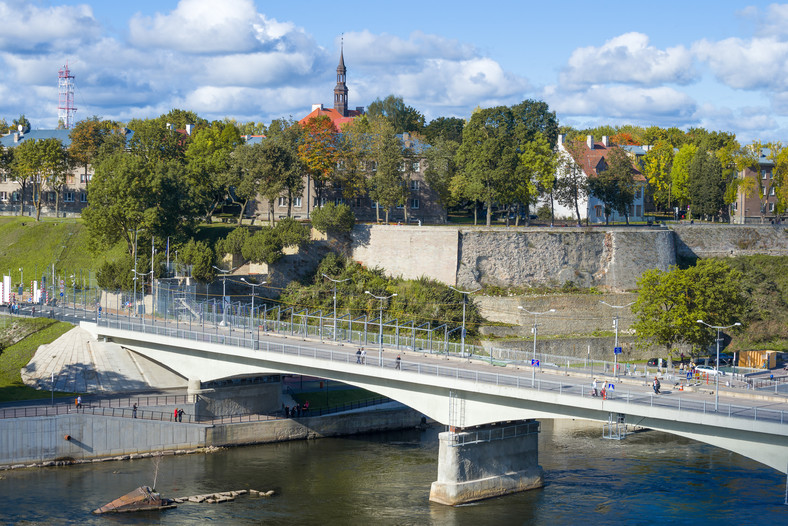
<point x="382" y="479"/>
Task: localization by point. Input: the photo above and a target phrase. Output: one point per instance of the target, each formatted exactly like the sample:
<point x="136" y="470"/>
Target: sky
<point x="721" y="65"/>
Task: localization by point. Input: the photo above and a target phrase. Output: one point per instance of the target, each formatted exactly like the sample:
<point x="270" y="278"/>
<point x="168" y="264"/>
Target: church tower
<point x="340" y="91"/>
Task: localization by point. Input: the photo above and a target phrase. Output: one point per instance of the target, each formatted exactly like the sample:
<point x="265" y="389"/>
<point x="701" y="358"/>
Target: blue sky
<point x="722" y="65"/>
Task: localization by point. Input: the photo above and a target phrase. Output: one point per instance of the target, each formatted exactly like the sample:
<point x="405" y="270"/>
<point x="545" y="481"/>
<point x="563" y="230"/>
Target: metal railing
<point x="474" y="375"/>
<point x="468" y="437"/>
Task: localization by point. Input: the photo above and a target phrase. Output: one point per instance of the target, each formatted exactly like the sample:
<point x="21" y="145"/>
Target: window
<point x="598" y="211"/>
<point x="70" y="179"/>
<point x="638" y="210"/>
<point x="735" y="205"/>
<point x="51" y="197"/>
<point x="414" y="185"/>
<point x="415" y="166"/>
<point x="339" y="201"/>
<point x="84" y="178"/>
<point x="399" y="207"/>
<point x="68" y="197"/>
<point x="402" y="166"/>
<point x="3" y="196"/>
<point x="414" y="204"/>
<point x="83" y="197"/>
<point x="297" y="202"/>
<point x="340" y="165"/>
<point x="771" y="207"/>
<point x="637" y="192"/>
<point x="322" y="203"/>
<point x="373" y="166"/>
<point x="357" y="202"/>
<point x="282" y="202"/>
<point x="764" y="174"/>
<point x="771" y="190"/>
<point x="15" y="196"/>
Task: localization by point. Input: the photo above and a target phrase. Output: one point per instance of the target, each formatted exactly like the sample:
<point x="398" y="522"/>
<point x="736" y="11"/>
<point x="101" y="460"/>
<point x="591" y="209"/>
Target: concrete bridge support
<point x="487" y="461"/>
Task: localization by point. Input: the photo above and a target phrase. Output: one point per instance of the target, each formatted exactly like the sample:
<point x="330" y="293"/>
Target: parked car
<point x="708" y="369"/>
<point x="654" y="362"/>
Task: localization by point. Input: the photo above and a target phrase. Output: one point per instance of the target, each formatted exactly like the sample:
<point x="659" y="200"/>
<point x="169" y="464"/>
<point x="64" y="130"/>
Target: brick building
<point x="756" y="202"/>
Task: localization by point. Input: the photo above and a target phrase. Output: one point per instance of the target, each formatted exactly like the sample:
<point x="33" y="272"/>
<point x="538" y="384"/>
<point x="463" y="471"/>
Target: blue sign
<point x="617" y="350"/>
<point x="533" y="362"/>
<point x="689" y="375"/>
<point x="61" y="294"/>
<point x="537" y="363"/>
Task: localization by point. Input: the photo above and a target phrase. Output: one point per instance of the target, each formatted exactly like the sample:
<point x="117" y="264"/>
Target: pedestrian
<point x="634" y="369"/>
<point x="180" y="415"/>
<point x="657" y="385"/>
<point x="363" y="356"/>
<point x="175" y="415"/>
<point x="358" y="355"/>
<point x="34" y="311"/>
<point x="593" y="388"/>
<point x="306" y="407"/>
<point x="398" y="363"/>
<point x="79" y="402"/>
<point x="134" y="411"/>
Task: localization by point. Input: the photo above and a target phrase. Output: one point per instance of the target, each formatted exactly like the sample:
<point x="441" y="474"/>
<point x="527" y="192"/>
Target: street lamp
<point x="142" y="290"/>
<point x="253" y="285"/>
<point x="224" y="291"/>
<point x="464" y="301"/>
<point x="380" y="336"/>
<point x="534" y="330"/>
<point x="717" y="363"/>
<point x="615" y="326"/>
<point x="335" y="281"/>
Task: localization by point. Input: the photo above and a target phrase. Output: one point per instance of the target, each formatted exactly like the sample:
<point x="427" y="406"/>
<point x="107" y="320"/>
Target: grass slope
<point x="25" y="336"/>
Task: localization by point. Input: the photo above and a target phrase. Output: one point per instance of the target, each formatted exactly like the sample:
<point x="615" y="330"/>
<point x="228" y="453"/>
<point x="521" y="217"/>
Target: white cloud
<point x="208" y="26"/>
<point x="25" y="27"/>
<point x="747" y="64"/>
<point x="623" y="102"/>
<point x="384" y="50"/>
<point x="629" y="59"/>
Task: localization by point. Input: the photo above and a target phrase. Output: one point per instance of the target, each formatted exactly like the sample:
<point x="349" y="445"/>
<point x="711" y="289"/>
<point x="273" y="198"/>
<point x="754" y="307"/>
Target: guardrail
<point x="477" y="376"/>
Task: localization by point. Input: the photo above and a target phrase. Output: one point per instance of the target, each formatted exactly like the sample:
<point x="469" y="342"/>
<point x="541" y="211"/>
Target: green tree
<point x="386" y="185"/>
<point x="199" y="258"/>
<point x="614" y="185"/>
<point x="23" y="122"/>
<point x="265" y="246"/>
<point x="657" y="167"/>
<point x="670" y="303"/>
<point x="319" y="152"/>
<point x="234" y="242"/>
<point x="536" y="171"/>
<point x="448" y="128"/>
<point x="571" y="184"/>
<point x="292" y="233"/>
<point x="42" y="163"/>
<point x="334" y="219"/>
<point x="679" y="173"/>
<point x="245" y="175"/>
<point x="87" y="137"/>
<point x="441" y="168"/>
<point x="399" y="115"/>
<point x="706" y="185"/>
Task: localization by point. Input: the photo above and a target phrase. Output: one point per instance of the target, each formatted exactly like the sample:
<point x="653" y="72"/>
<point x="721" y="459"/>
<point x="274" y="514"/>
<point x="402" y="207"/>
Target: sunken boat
<point x="140" y="499"/>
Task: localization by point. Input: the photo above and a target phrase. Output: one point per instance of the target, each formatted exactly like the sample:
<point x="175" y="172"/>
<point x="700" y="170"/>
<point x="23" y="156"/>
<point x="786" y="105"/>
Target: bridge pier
<point x="487" y="461"/>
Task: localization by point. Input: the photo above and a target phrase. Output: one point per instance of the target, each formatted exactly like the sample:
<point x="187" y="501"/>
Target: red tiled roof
<point x="332" y="114"/>
<point x="590" y="159"/>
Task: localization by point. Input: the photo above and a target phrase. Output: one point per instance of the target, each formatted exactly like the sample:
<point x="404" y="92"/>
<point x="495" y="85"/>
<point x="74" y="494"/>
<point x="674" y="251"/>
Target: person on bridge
<point x="593" y="388"/>
<point x="363" y="356"/>
<point x="657" y="385"/>
<point x="134" y="411"/>
<point x="399" y="362"/>
<point x="358" y="355"/>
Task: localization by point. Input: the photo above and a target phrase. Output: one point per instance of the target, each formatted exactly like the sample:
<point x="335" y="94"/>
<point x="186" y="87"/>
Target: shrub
<point x="332" y="218"/>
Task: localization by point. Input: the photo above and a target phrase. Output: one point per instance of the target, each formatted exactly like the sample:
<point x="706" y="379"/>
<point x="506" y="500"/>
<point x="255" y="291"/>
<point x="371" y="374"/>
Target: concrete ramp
<point x="81" y="364"/>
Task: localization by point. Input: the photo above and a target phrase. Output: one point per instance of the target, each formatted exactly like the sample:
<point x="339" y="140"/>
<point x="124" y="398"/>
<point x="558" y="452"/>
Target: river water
<point x="381" y="479"/>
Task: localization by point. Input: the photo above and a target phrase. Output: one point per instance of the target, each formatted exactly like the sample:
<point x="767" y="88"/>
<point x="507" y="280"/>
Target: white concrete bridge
<point x="463" y="394"/>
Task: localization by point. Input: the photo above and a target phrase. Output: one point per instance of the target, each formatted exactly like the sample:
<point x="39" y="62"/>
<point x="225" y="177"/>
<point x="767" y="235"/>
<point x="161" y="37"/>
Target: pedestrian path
<point x="79" y="364"/>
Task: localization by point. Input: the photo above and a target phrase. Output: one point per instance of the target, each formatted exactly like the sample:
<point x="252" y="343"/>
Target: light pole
<point x="615" y="326"/>
<point x="380" y="336"/>
<point x="142" y="290"/>
<point x="253" y="285"/>
<point x="464" y="301"/>
<point x="224" y="291"/>
<point x="717" y="363"/>
<point x="535" y="330"/>
<point x="335" y="281"/>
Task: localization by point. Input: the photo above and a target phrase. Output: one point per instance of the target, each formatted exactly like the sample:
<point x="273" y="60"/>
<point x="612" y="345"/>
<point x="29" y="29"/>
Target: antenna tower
<point x="65" y="108"/>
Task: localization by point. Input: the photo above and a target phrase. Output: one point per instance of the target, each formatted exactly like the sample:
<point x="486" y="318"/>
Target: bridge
<point x="481" y="402"/>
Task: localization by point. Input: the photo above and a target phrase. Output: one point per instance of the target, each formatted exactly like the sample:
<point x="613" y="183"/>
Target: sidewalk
<point x="82" y="365"/>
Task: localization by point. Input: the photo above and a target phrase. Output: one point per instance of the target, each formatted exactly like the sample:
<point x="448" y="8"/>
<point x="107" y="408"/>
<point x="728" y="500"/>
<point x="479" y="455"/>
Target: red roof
<point x="590" y="159"/>
<point x="332" y="114"/>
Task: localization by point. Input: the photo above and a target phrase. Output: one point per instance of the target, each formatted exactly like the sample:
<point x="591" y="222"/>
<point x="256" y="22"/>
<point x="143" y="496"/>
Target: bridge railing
<point x="460" y="373"/>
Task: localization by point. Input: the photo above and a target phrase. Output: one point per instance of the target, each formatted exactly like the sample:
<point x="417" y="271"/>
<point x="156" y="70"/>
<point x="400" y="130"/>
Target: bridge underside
<point x="481" y="403"/>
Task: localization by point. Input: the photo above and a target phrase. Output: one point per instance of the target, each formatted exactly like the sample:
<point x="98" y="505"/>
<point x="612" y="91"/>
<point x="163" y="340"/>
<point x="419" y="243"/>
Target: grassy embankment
<point x="19" y="340"/>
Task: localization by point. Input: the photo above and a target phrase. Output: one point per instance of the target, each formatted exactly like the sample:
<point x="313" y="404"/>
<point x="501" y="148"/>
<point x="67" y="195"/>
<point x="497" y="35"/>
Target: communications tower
<point x="65" y="108"/>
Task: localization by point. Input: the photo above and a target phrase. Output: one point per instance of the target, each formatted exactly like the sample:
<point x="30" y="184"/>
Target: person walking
<point x="593" y="388"/>
<point x="398" y="364"/>
<point x="358" y="355"/>
<point x="657" y="385"/>
<point x="175" y="415"/>
<point x="363" y="356"/>
<point x="180" y="415"/>
<point x="79" y="402"/>
<point x="134" y="411"/>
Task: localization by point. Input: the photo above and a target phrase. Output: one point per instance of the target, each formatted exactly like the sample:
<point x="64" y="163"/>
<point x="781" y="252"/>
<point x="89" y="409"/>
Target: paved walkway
<point x="83" y="365"/>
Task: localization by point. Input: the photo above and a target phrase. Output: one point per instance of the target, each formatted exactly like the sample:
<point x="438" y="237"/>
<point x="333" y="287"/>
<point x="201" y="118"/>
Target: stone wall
<point x="703" y="240"/>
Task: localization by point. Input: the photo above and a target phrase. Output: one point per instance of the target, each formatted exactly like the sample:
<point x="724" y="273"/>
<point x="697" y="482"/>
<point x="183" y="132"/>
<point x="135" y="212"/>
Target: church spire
<point x="340" y="90"/>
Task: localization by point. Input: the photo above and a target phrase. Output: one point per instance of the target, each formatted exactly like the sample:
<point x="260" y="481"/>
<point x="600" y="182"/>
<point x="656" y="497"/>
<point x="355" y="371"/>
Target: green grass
<point x="39" y="332"/>
<point x="334" y="397"/>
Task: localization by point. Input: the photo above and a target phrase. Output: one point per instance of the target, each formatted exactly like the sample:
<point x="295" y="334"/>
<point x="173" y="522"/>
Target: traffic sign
<point x="61" y="294"/>
<point x="617" y="350"/>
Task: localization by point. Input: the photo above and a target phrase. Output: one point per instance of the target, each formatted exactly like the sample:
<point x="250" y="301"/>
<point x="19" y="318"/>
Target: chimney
<point x="590" y="142"/>
<point x="605" y="141"/>
<point x="561" y="139"/>
<point x="317" y="107"/>
<point x="16" y="136"/>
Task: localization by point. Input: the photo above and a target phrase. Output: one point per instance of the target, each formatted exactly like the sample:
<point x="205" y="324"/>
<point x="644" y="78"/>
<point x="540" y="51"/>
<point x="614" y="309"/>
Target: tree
<point x="199" y="256"/>
<point x="319" y="152"/>
<point x="532" y="117"/>
<point x="292" y="233"/>
<point x="614" y="185"/>
<point x="402" y="117"/>
<point x="207" y="162"/>
<point x="244" y="175"/>
<point x="387" y="187"/>
<point x="278" y="165"/>
<point x="535" y="171"/>
<point x="42" y="163"/>
<point x="333" y="219"/>
<point x="23" y="122"/>
<point x="448" y="128"/>
<point x="265" y="246"/>
<point x="441" y="168"/>
<point x="657" y="167"/>
<point x="87" y="137"/>
<point x="234" y="242"/>
<point x="670" y="303"/>
<point x="293" y="181"/>
<point x="679" y="173"/>
<point x="706" y="185"/>
<point x="571" y="184"/>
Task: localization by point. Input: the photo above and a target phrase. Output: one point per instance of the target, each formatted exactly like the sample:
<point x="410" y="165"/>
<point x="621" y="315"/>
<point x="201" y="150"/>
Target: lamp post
<point x="380" y="336"/>
<point x="335" y="281"/>
<point x="534" y="330"/>
<point x="142" y="290"/>
<point x="615" y="326"/>
<point x="253" y="285"/>
<point x="464" y="301"/>
<point x="224" y="291"/>
<point x="717" y="363"/>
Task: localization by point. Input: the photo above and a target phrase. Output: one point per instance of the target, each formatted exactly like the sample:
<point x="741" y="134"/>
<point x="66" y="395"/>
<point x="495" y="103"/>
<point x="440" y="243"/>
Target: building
<point x="756" y="200"/>
<point x="590" y="158"/>
<point x="421" y="205"/>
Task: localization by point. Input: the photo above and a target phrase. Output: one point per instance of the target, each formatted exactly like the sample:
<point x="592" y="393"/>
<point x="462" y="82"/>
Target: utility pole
<point x="616" y="348"/>
<point x="335" y="281"/>
<point x="464" y="301"/>
<point x="535" y="331"/>
<point x="380" y="336"/>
